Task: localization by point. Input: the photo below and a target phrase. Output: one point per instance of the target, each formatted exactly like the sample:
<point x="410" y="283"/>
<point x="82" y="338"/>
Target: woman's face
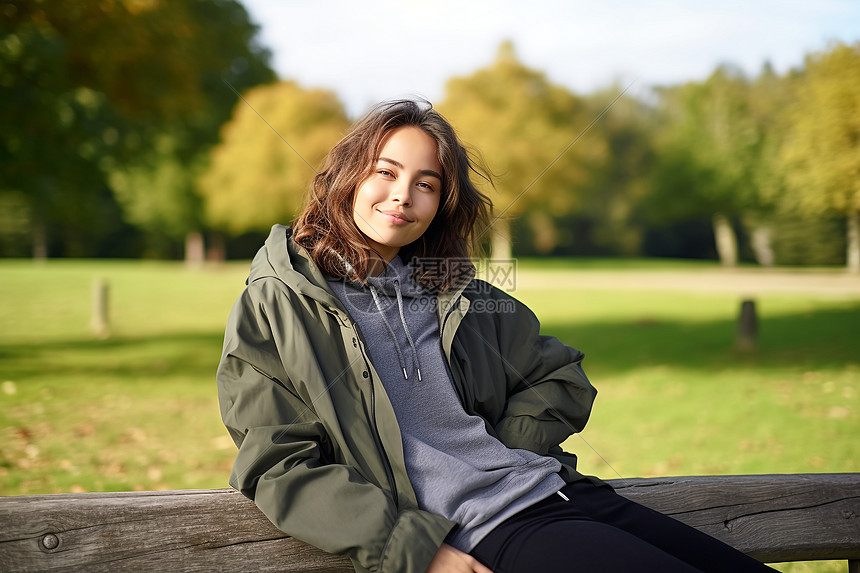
<point x="395" y="205"/>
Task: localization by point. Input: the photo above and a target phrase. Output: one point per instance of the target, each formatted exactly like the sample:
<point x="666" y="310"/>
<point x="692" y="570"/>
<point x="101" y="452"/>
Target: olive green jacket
<point x="320" y="450"/>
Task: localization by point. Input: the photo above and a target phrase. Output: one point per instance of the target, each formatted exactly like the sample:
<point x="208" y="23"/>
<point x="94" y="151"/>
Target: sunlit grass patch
<point x="139" y="410"/>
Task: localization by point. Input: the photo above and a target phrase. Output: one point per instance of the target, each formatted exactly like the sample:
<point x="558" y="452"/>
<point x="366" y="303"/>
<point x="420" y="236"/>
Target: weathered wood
<point x="150" y="531"/>
<point x="772" y="517"/>
<point x="747" y="327"/>
<point x="99" y="322"/>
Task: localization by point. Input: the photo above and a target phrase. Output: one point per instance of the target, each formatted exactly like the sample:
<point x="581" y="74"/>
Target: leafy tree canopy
<point x="523" y="125"/>
<point x="90" y="88"/>
<point x="822" y="151"/>
<point x="255" y="178"/>
<point x="709" y="145"/>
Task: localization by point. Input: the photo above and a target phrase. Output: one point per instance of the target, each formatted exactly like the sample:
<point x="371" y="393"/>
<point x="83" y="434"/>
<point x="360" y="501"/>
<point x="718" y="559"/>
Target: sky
<point x="371" y="50"/>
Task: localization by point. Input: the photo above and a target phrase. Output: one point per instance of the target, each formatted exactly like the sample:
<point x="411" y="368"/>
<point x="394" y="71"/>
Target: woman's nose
<point x="402" y="192"/>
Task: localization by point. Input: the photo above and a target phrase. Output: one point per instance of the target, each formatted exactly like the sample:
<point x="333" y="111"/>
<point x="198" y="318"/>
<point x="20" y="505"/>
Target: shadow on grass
<point x="176" y="354"/>
<point x="820" y="339"/>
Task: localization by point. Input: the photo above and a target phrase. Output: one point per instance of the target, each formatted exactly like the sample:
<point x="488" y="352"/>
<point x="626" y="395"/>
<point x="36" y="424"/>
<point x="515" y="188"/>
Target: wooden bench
<point x="774" y="518"/>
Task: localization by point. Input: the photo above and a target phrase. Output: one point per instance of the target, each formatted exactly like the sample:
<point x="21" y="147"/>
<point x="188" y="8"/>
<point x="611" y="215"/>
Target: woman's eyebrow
<point x="396" y="163"/>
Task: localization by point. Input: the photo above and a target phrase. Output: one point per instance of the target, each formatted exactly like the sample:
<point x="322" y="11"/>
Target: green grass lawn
<point x="139" y="409"/>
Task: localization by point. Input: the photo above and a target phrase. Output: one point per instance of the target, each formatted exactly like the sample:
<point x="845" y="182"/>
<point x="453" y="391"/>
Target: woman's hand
<point x="451" y="560"/>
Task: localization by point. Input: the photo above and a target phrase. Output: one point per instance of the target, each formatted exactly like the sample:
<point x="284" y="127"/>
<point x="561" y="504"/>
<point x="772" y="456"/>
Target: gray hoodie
<point x="456" y="467"/>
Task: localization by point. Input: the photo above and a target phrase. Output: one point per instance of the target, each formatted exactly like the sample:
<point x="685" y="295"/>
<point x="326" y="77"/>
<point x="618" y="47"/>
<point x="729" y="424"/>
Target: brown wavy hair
<point x="327" y="229"/>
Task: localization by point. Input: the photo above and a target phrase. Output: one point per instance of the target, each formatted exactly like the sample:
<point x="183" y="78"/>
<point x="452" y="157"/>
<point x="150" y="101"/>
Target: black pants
<point x="601" y="531"/>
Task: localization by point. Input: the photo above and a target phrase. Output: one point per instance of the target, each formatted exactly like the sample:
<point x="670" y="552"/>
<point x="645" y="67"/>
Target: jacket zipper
<point x="386" y="462"/>
<point x="389" y="471"/>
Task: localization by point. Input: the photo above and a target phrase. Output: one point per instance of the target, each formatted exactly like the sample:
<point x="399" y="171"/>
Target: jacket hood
<point x="282" y="258"/>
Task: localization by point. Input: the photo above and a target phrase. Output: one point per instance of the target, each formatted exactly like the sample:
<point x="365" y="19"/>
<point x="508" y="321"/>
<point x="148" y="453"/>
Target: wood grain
<point x="771" y="517"/>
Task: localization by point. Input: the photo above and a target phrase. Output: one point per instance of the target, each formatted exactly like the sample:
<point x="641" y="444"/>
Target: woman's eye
<point x="384" y="172"/>
<point x="425" y="186"/>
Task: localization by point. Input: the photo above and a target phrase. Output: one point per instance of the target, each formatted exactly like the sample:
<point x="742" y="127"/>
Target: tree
<point x="254" y="178"/>
<point x="709" y="156"/>
<point x="157" y="190"/>
<point x="54" y="130"/>
<point x="821" y="154"/>
<point x="523" y="125"/>
<point x="613" y="192"/>
<point x="90" y="92"/>
<point x="769" y="95"/>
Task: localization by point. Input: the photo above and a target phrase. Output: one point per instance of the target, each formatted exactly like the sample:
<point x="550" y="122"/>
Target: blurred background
<point x="708" y="130"/>
<point x="657" y="163"/>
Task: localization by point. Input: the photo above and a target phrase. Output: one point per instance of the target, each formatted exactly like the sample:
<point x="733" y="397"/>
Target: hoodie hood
<point x="397" y="276"/>
<point x="388" y="295"/>
<point x="282" y="258"/>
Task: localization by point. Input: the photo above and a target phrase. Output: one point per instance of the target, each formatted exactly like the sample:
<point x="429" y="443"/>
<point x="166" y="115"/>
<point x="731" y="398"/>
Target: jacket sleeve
<point x="285" y="462"/>
<point x="548" y="395"/>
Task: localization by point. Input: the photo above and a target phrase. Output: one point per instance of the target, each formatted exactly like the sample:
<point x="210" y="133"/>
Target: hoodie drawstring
<point x="405" y="328"/>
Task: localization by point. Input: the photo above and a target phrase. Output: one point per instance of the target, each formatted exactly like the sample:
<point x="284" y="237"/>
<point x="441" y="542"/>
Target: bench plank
<point x="771" y="517"/>
<point x="150" y="531"/>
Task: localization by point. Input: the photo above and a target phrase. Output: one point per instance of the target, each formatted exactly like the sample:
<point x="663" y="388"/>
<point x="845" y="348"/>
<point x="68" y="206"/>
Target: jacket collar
<point x="284" y="259"/>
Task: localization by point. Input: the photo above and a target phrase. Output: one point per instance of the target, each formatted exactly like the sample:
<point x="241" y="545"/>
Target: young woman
<point x="390" y="407"/>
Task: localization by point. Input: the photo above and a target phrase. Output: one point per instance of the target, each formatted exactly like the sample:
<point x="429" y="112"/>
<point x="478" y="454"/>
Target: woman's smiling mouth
<point x="395" y="216"/>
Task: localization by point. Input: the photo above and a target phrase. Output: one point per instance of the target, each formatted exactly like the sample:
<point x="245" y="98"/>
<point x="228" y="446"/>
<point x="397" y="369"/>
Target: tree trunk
<point x="500" y="240"/>
<point x="543" y="232"/>
<point x="853" y="254"/>
<point x="40" y="242"/>
<point x="762" y="246"/>
<point x="727" y="244"/>
<point x="216" y="252"/>
<point x="194" y="250"/>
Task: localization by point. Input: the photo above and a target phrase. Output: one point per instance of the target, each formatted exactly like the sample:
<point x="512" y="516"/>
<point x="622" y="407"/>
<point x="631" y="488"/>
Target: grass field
<point x="139" y="410"/>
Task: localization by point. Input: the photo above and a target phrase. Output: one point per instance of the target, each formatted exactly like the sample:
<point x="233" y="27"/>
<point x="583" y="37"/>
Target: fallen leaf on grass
<point x="838" y="412"/>
<point x="85" y="429"/>
<point x="32" y="451"/>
